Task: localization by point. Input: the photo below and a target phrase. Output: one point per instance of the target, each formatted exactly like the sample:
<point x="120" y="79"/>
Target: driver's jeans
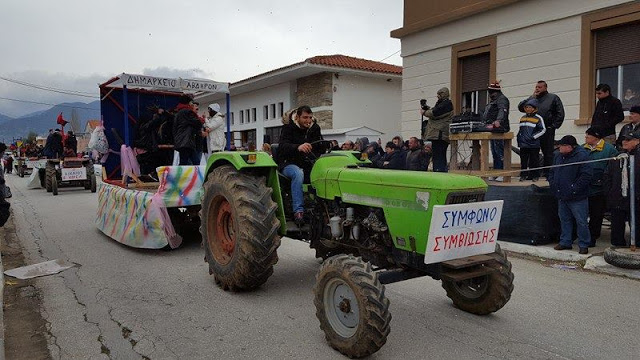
<point x="296" y="175"/>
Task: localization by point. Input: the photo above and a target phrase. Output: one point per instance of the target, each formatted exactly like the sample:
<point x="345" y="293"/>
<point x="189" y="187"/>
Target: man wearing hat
<point x="496" y="114"/>
<point x="437" y="130"/>
<point x="570" y="184"/>
<point x="552" y="111"/>
<point x="531" y="129"/>
<point x="633" y="126"/>
<point x="616" y="183"/>
<point x="598" y="149"/>
<point x="214" y="126"/>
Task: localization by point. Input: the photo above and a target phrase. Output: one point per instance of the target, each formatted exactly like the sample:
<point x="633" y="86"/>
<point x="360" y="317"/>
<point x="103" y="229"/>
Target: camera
<point x="423" y="104"/>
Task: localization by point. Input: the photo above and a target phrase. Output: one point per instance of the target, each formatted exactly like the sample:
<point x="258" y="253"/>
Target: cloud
<point x="164" y="71"/>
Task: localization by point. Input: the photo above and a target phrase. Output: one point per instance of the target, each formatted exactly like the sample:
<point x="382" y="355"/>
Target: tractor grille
<point x="464" y="197"/>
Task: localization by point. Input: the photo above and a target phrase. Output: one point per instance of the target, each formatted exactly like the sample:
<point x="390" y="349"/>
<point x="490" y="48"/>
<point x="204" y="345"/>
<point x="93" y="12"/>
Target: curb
<point x="598" y="264"/>
<point x="544" y="252"/>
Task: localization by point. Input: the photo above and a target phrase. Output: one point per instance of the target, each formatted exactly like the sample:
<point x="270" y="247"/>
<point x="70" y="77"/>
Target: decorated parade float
<point x="142" y="210"/>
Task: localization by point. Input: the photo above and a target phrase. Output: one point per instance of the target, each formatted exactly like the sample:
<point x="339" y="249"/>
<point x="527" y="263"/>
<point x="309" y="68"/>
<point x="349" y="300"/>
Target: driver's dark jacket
<point x="292" y="136"/>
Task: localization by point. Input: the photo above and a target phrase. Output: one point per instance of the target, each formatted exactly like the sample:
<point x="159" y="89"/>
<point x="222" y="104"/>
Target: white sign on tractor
<point x="69" y="174"/>
<point x="462" y="230"/>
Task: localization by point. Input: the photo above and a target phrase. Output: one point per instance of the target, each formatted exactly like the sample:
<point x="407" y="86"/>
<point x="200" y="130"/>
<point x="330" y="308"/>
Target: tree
<point x="31" y="138"/>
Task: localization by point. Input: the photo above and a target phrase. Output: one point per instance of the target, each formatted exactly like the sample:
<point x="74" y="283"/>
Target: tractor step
<point x="467" y="262"/>
<point x="465" y="274"/>
<point x="396" y="275"/>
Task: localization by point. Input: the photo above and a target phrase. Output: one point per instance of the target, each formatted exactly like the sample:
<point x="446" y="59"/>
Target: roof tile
<point x="355" y="63"/>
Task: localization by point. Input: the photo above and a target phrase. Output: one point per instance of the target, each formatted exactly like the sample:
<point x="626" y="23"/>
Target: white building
<point x="343" y="92"/>
<point x="572" y="44"/>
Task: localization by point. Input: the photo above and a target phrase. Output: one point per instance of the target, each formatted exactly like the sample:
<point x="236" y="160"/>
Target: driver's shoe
<point x="298" y="218"/>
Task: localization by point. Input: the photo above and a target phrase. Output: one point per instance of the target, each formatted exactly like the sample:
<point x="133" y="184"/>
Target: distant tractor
<point x="70" y="172"/>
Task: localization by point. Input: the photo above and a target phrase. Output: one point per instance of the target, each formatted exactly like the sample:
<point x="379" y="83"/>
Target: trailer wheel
<point x="54" y="185"/>
<point x="239" y="229"/>
<point x="42" y="173"/>
<point x="484" y="294"/>
<point x="351" y="306"/>
<point x="21" y="171"/>
<point x="91" y="184"/>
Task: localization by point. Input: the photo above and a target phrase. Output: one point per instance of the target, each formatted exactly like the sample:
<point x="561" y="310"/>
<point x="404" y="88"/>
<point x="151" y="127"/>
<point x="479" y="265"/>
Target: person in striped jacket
<point x="531" y="129"/>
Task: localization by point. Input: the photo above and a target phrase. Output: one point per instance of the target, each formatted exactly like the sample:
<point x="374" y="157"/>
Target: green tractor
<point x="371" y="227"/>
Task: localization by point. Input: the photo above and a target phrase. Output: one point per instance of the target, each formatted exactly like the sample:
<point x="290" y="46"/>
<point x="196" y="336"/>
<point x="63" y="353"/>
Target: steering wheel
<point x="317" y="147"/>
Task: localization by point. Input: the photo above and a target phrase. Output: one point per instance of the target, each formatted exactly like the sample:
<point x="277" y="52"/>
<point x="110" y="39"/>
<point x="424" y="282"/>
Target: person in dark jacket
<point x="616" y="184"/>
<point x="187" y="132"/>
<point x="374" y="153"/>
<point x="608" y="113"/>
<point x="496" y="114"/>
<point x="598" y="149"/>
<point x="570" y="184"/>
<point x="531" y="129"/>
<point x="71" y="142"/>
<point x="552" y="111"/>
<point x="4" y="205"/>
<point x="417" y="158"/>
<point x="393" y="159"/>
<point x="53" y="148"/>
<point x="298" y="132"/>
<point x="633" y="126"/>
<point x="437" y="128"/>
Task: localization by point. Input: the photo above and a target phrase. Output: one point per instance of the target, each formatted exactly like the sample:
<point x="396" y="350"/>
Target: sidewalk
<point x="2" y="234"/>
<point x="593" y="261"/>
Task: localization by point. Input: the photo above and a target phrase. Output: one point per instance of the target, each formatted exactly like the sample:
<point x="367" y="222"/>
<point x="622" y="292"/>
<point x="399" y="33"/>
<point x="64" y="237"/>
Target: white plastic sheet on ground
<point x="42" y="269"/>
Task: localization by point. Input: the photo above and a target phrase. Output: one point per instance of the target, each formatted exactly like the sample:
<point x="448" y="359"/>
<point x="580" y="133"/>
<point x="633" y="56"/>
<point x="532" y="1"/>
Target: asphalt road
<point x="124" y="303"/>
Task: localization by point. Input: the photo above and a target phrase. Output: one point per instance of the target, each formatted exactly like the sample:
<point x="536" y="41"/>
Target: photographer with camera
<point x="496" y="114"/>
<point x="437" y="127"/>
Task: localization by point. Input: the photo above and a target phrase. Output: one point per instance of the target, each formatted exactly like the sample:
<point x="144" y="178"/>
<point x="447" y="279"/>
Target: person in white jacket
<point x="215" y="127"/>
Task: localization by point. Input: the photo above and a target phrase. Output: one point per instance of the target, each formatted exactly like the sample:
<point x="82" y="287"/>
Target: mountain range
<point x="41" y="121"/>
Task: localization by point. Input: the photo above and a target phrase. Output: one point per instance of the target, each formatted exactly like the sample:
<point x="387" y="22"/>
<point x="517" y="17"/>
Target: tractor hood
<point x="409" y="179"/>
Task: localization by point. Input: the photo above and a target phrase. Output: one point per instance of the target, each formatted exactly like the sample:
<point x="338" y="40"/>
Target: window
<point x="610" y="54"/>
<point x="247" y="115"/>
<point x="272" y="134"/>
<point x="265" y="112"/>
<point x="273" y="111"/>
<point x="248" y="137"/>
<point x="241" y="117"/>
<point x="619" y="66"/>
<point x="280" y="109"/>
<point x="474" y="78"/>
<point x="473" y="67"/>
<point x="254" y="114"/>
<point x="233" y="118"/>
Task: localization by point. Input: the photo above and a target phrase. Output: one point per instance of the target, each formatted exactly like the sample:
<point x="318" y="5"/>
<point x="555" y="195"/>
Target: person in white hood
<point x="214" y="125"/>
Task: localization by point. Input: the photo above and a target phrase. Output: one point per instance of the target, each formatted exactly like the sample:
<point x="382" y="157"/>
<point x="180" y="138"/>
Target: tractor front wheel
<point x="484" y="294"/>
<point x="351" y="306"/>
<point x="239" y="229"/>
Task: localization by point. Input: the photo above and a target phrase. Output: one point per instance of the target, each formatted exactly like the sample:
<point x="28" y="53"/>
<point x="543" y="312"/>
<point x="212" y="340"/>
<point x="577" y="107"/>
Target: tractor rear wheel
<point x="484" y="294"/>
<point x="90" y="183"/>
<point x="351" y="306"/>
<point x="50" y="173"/>
<point x="54" y="185"/>
<point x="239" y="229"/>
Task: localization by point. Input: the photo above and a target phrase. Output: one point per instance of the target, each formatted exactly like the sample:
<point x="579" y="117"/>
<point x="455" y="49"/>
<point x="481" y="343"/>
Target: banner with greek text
<point x="462" y="230"/>
<point x="169" y="84"/>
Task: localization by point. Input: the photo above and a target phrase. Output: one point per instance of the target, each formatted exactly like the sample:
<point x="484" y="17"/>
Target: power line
<point x="42" y="103"/>
<point x="390" y="55"/>
<point x="48" y="88"/>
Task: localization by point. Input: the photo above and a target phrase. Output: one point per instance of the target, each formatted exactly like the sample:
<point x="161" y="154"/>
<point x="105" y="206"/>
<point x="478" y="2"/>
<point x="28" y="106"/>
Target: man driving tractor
<point x="297" y="134"/>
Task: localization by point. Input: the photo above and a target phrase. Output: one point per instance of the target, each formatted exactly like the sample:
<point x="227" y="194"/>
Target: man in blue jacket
<point x="570" y="182"/>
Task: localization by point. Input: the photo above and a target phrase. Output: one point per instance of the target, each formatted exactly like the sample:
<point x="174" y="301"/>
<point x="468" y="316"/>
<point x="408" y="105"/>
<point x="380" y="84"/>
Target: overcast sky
<point x="75" y="45"/>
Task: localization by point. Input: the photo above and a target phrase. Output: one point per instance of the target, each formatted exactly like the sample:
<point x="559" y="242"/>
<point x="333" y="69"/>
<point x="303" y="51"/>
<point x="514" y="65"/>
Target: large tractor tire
<point x="239" y="229"/>
<point x="42" y="174"/>
<point x="91" y="182"/>
<point x="49" y="175"/>
<point x="21" y="171"/>
<point x="351" y="306"/>
<point x="54" y="185"/>
<point x="484" y="294"/>
<point x="622" y="258"/>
